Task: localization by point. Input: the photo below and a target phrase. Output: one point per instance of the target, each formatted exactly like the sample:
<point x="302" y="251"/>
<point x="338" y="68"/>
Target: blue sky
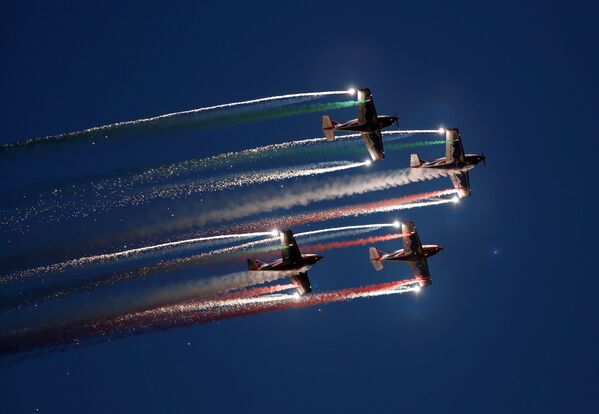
<point x="510" y="322"/>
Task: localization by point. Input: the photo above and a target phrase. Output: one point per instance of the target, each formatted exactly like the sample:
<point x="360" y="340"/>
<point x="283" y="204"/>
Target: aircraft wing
<point x="454" y="151"/>
<point x="290" y="252"/>
<point x="374" y="144"/>
<point x="302" y="283"/>
<point x="366" y="111"/>
<point x="461" y="182"/>
<point x="411" y="241"/>
<point x="420" y="267"/>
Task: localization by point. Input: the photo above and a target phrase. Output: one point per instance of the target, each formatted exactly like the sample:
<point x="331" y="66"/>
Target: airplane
<point x="413" y="253"/>
<point x="454" y="159"/>
<point x="292" y="259"/>
<point x="368" y="124"/>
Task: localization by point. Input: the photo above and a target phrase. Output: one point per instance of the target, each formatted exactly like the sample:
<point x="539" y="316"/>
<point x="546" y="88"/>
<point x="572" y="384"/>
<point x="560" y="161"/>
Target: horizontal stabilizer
<point x="254" y="264"/>
<point x="328" y="127"/>
<point x="415" y="161"/>
<point x="375" y="258"/>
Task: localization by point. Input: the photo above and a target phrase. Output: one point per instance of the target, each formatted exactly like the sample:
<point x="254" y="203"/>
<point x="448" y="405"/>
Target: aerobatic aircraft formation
<point x="198" y="231"/>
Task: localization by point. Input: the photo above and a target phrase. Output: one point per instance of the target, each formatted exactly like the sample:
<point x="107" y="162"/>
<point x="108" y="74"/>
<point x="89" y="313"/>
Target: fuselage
<point x="354" y="125"/>
<point x="469" y="160"/>
<point x="427" y="251"/>
<point x="309" y="260"/>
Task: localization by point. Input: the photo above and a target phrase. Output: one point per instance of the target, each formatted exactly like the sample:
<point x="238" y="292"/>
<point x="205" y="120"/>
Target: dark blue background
<point x="509" y="332"/>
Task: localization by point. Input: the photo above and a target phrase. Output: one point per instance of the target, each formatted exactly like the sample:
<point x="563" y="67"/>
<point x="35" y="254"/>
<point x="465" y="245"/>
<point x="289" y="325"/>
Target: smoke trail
<point x="54" y="210"/>
<point x="230" y="158"/>
<point x="300" y="195"/>
<point x="392" y="204"/>
<point x="272" y="150"/>
<point x="55" y="292"/>
<point x="185" y="314"/>
<point x="350" y="243"/>
<point x="4" y="279"/>
<point x="251" y="292"/>
<point x="127" y="179"/>
<point x="157" y="120"/>
<point x="251" y="248"/>
<point x="90" y="313"/>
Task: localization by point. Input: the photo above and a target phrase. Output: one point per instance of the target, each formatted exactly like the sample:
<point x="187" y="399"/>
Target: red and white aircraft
<point x="413" y="253"/>
<point x="291" y="259"/>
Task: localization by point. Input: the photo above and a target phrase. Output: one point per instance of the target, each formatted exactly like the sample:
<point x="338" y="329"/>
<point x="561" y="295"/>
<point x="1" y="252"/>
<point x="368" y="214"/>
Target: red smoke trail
<point x="249" y="293"/>
<point x="349" y="243"/>
<point x="183" y="314"/>
<point x="340" y="212"/>
<point x="203" y="311"/>
<point x="323" y="246"/>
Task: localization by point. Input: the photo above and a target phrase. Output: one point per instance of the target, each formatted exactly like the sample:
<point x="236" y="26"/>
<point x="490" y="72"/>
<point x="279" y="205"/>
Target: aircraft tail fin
<point x="253" y="263"/>
<point x="415" y="161"/>
<point x="328" y="127"/>
<point x="375" y="258"/>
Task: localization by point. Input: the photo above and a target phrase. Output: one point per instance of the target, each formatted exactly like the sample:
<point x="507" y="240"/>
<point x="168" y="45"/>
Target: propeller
<point x="484" y="159"/>
<point x="396" y="120"/>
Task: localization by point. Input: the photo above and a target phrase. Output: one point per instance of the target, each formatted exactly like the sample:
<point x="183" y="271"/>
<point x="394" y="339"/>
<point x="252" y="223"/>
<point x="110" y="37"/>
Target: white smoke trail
<point x="275" y="241"/>
<point x="337" y="229"/>
<point x="301" y="195"/>
<point x="224" y="158"/>
<point x="240" y="302"/>
<point x="56" y="209"/>
<point x="172" y="191"/>
<point x="411" y="205"/>
<point x="123" y="253"/>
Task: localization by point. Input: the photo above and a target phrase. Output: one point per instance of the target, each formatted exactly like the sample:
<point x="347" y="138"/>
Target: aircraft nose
<point x="318" y="257"/>
<point x="440" y="248"/>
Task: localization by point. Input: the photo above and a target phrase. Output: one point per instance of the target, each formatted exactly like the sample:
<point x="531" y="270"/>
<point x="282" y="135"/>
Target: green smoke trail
<point x="308" y="151"/>
<point x="351" y="147"/>
<point x="261" y="115"/>
<point x="180" y="122"/>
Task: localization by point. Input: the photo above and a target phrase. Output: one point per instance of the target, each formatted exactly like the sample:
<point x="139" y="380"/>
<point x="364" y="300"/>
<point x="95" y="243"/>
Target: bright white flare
<point x="351" y="91"/>
<point x="396" y="223"/>
<point x="368" y="163"/>
<point x="275" y="233"/>
<point x="455" y="199"/>
<point x="441" y="131"/>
